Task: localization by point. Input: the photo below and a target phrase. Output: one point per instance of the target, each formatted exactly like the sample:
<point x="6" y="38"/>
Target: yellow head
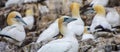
<point x="100" y="10"/>
<point x="62" y="23"/>
<point x="29" y="12"/>
<point x="10" y="18"/>
<point x="14" y="18"/>
<point x="74" y="7"/>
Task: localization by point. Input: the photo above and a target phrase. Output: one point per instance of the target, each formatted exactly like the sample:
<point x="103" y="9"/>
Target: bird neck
<point x="63" y="28"/>
<point x="101" y="14"/>
<point x="85" y="31"/>
<point x="66" y="32"/>
<point x="75" y="13"/>
<point x="19" y="25"/>
<point x="69" y="34"/>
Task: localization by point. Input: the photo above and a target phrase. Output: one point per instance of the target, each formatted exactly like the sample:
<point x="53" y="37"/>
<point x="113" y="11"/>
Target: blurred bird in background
<point x="15" y="32"/>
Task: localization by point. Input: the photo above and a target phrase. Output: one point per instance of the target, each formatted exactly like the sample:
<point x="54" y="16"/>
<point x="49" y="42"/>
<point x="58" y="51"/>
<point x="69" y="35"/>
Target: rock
<point x="117" y="39"/>
<point x="2" y="46"/>
<point x="108" y="48"/>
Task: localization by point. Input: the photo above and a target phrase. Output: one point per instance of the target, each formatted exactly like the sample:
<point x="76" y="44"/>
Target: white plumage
<point x="67" y="44"/>
<point x="15" y="31"/>
<point x="77" y="26"/>
<point x="87" y="36"/>
<point x="30" y="21"/>
<point x="49" y="33"/>
<point x="113" y="17"/>
<point x="10" y="2"/>
<point x="99" y="2"/>
<point x="25" y="1"/>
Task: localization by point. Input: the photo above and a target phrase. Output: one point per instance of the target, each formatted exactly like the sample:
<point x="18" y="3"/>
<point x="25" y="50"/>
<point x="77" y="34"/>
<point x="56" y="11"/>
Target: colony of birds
<point x="60" y="26"/>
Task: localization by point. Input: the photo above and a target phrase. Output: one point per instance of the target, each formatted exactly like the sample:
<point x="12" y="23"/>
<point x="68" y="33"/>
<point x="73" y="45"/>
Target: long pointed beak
<point x="21" y="20"/>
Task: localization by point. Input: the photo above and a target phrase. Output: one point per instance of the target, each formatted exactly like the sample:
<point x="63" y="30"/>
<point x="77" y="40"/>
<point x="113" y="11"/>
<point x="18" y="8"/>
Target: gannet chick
<point x="113" y="17"/>
<point x="10" y="2"/>
<point x="99" y="22"/>
<point x="49" y="33"/>
<point x="99" y="2"/>
<point x="77" y="26"/>
<point x="86" y="35"/>
<point x="15" y="30"/>
<point x="68" y="43"/>
<point x="29" y="18"/>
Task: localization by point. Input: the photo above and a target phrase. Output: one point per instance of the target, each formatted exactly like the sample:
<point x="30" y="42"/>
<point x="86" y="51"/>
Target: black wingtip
<point x="99" y="27"/>
<point x="117" y="27"/>
<point x="102" y="29"/>
<point x="2" y="35"/>
<point x="41" y="1"/>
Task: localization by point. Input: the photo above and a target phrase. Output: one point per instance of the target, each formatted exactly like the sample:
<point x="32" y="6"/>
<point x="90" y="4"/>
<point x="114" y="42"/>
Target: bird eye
<point x="88" y="28"/>
<point x="17" y="17"/>
<point x="65" y="19"/>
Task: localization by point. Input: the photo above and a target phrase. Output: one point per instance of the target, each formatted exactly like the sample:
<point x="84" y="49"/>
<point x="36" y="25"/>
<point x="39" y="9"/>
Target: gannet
<point x="99" y="21"/>
<point x="68" y="43"/>
<point x="29" y="18"/>
<point x="77" y="26"/>
<point x="86" y="35"/>
<point x="113" y="17"/>
<point x="15" y="30"/>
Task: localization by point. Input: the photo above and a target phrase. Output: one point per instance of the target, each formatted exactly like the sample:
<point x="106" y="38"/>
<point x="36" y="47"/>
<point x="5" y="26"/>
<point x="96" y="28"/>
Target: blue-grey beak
<point x="20" y="19"/>
<point x="68" y="20"/>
